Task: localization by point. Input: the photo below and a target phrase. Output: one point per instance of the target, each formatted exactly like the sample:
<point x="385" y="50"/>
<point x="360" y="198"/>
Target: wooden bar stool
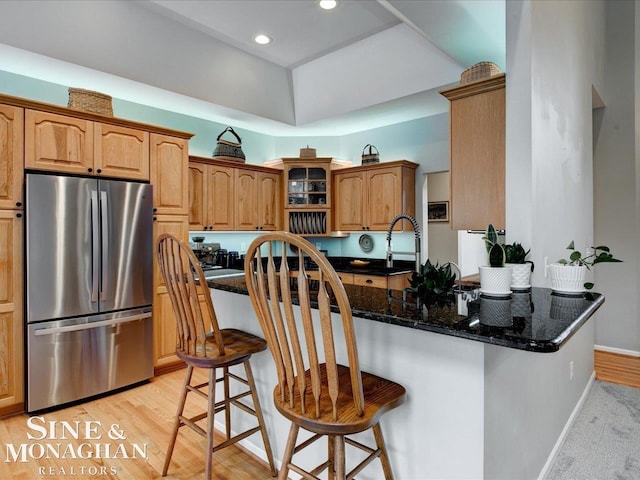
<point x="202" y="344"/>
<point x="314" y="391"/>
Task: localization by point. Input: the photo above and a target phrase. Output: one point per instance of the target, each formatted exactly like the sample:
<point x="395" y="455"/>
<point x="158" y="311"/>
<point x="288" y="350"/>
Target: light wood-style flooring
<point x="145" y="415"/>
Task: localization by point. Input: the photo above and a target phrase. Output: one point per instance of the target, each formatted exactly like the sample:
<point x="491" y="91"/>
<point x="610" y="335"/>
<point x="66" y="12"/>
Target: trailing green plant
<point x="601" y="254"/>
<point x="496" y="252"/>
<point x="515" y="253"/>
<point x="434" y="284"/>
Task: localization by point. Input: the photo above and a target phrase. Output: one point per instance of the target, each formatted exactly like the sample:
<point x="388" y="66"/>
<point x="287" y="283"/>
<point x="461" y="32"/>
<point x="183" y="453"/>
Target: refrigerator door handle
<point x="88" y="326"/>
<point x="104" y="210"/>
<point x="95" y="246"/>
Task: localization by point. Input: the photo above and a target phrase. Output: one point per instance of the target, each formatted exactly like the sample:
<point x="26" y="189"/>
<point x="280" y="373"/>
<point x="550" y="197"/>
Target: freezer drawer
<point x="73" y="359"/>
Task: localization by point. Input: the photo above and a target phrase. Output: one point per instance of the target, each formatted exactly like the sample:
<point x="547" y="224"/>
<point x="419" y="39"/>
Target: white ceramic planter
<point x="567" y="278"/>
<point x="495" y="281"/>
<point x="520" y="276"/>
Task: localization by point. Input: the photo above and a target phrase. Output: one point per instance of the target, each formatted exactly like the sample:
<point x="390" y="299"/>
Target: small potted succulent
<point x="434" y="284"/>
<point x="567" y="276"/>
<point x="521" y="268"/>
<point x="495" y="278"/>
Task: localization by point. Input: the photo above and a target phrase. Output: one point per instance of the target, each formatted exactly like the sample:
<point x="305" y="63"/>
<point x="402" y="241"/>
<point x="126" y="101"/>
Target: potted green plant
<point x="434" y="284"/>
<point x="495" y="278"/>
<point x="521" y="268"/>
<point x="567" y="275"/>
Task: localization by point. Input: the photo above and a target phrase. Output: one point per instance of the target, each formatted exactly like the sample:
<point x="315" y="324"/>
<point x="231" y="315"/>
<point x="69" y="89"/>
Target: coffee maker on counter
<point x="205" y="252"/>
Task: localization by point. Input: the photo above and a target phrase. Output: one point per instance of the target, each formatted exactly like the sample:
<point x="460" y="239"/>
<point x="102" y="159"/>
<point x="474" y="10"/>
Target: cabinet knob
<point x="18" y="204"/>
<point x="90" y="170"/>
<point x="155" y="210"/>
<point x="18" y="215"/>
<point x="99" y="170"/>
<point x="369" y="280"/>
<point x="155" y="218"/>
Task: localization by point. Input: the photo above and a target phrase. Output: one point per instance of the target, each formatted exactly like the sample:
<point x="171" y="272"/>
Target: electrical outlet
<point x="571" y="370"/>
<point x="243" y="247"/>
<point x="319" y="245"/>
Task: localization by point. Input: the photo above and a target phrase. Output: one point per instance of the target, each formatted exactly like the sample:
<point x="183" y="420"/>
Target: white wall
<point x="616" y="158"/>
<point x="443" y="242"/>
<point x="549" y="161"/>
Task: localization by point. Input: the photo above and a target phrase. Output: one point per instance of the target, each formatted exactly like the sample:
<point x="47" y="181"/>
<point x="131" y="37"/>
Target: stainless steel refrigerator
<point x="89" y="287"/>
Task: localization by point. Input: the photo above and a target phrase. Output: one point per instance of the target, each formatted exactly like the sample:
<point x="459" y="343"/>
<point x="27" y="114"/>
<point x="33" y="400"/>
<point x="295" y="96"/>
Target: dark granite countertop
<point x="537" y="320"/>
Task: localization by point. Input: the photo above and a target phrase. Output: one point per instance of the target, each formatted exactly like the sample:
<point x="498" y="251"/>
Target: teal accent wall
<point x="423" y="141"/>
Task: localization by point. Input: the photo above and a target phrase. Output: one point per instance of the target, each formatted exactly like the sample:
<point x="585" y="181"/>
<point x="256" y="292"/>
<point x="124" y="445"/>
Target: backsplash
<point x="335" y="247"/>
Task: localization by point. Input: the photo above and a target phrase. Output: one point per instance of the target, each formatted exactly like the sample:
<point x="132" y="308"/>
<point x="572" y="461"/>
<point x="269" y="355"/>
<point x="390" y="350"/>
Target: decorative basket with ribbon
<point x="228" y="150"/>
<point x="370" y="156"/>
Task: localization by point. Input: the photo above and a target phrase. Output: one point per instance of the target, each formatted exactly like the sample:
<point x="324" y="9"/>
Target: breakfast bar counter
<point x="536" y="320"/>
<point x="479" y="374"/>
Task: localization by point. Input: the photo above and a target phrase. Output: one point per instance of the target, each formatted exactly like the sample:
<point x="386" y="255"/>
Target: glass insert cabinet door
<point x="307" y="186"/>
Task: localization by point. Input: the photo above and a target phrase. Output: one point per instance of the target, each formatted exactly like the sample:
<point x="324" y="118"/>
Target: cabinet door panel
<point x="169" y="174"/>
<point x="478" y="161"/>
<point x="385" y="197"/>
<point x="349" y="208"/>
<point x="11" y="325"/>
<point x="269" y="201"/>
<point x="58" y="143"/>
<point x="197" y="196"/>
<point x="246" y="200"/>
<point x="11" y="156"/>
<point x="164" y="329"/>
<point x="121" y="152"/>
<point x="220" y="197"/>
<point x="177" y="225"/>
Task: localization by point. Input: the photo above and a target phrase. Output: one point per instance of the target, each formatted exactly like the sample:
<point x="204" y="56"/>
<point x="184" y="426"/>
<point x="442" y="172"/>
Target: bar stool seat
<point x="320" y="388"/>
<point x="202" y="344"/>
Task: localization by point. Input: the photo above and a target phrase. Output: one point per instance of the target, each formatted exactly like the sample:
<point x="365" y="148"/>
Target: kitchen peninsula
<point x="469" y="398"/>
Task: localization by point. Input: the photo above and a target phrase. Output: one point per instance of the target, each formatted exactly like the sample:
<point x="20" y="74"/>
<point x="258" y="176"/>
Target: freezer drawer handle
<point x="88" y="326"/>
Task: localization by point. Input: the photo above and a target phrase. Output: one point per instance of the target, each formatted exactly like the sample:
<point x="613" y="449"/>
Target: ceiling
<point x="310" y="76"/>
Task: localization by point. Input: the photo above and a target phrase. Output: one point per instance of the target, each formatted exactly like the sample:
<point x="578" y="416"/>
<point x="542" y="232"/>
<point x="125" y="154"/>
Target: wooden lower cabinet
<point x="392" y="282"/>
<point x="11" y="313"/>
<point x="164" y="323"/>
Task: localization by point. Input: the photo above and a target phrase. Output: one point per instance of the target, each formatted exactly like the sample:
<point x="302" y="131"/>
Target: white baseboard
<point x="621" y="351"/>
<point x="565" y="431"/>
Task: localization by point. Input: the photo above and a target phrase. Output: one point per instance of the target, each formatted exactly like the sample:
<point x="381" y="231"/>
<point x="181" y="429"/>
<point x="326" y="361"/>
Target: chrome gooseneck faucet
<point x="416" y="230"/>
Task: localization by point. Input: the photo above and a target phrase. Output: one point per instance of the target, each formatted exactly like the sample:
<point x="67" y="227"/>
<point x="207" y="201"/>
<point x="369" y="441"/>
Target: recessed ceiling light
<point x="328" y="4"/>
<point x="262" y="39"/>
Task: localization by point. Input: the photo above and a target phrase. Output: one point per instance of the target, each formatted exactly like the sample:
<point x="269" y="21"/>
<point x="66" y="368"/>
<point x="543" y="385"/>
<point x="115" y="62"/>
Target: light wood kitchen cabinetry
<point x="307" y="196"/>
<point x="370" y="196"/>
<point x="164" y="321"/>
<point x="66" y="144"/>
<point x="11" y="259"/>
<point x="477" y="154"/>
<point x="257" y="205"/>
<point x="169" y="174"/>
<point x="11" y="314"/>
<point x="226" y="196"/>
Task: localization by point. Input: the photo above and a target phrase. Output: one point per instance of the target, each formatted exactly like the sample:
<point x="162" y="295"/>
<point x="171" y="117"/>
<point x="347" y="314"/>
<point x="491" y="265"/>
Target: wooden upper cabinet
<point x="121" y="152"/>
<point x="220" y="195"/>
<point x="369" y="197"/>
<point x="477" y="154"/>
<point x="246" y="200"/>
<point x="350" y="191"/>
<point x="169" y="161"/>
<point x="73" y="145"/>
<point x="58" y="143"/>
<point x="11" y="323"/>
<point x="257" y="205"/>
<point x="269" y="201"/>
<point x="224" y="196"/>
<point x="197" y="196"/>
<point x="11" y="154"/>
